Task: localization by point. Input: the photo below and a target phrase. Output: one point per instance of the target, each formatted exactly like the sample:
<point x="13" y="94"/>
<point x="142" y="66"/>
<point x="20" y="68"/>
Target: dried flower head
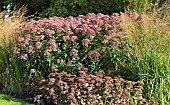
<point x="51" y="81"/>
<point x="79" y="66"/>
<point x="94" y="55"/>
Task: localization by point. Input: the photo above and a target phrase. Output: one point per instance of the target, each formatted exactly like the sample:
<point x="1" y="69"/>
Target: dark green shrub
<point x="66" y="8"/>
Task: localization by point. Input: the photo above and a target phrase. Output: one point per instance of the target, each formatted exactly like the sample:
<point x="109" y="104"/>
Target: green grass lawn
<point x="8" y="100"/>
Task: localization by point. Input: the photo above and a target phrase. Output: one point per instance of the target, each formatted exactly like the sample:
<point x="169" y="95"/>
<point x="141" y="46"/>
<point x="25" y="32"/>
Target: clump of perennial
<point x="78" y="41"/>
<point x="64" y="88"/>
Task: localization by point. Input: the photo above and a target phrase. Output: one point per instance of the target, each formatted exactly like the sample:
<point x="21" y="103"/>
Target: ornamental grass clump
<point x="149" y="38"/>
<point x="87" y="89"/>
<point x="10" y="75"/>
<point x="70" y="44"/>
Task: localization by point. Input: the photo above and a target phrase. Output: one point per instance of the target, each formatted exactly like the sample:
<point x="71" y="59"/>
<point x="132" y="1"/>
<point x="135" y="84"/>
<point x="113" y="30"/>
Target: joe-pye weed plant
<point x="69" y="44"/>
<point x="150" y="41"/>
<point x="10" y="74"/>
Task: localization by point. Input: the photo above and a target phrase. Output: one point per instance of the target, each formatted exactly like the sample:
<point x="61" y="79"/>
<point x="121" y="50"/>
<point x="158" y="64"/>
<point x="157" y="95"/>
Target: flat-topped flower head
<point x="24" y="56"/>
<point x="85" y="42"/>
<point x="20" y="39"/>
<point x="73" y="52"/>
<point x="105" y="38"/>
<point x="73" y="38"/>
<point x="38" y="45"/>
<point x="32" y="71"/>
<point x="65" y="38"/>
<point x="47" y="51"/>
<point x="40" y="37"/>
<point x="49" y="32"/>
<point x="52" y="43"/>
<point x="31" y="49"/>
<point x="94" y="55"/>
<point x="69" y="63"/>
<point x="16" y="50"/>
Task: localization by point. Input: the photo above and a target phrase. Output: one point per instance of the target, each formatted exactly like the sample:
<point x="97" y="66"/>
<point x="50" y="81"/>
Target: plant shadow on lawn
<point x="8" y="100"/>
<point x="15" y="99"/>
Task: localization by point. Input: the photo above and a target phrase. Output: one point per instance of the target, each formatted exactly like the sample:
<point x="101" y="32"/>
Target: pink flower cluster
<point x="89" y="25"/>
<point x="48" y="36"/>
<point x="85" y="42"/>
<point x="73" y="52"/>
<point x="94" y="55"/>
<point x="52" y="43"/>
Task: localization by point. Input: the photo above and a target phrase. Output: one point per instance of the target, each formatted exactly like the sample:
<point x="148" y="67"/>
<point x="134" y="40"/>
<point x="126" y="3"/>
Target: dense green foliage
<point x="64" y="8"/>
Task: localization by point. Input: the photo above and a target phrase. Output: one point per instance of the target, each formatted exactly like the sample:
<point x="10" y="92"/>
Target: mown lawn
<point x="8" y="100"/>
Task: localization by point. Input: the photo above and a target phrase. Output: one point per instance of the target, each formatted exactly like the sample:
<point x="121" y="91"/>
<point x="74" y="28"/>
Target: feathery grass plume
<point x="10" y="76"/>
<point x="150" y="40"/>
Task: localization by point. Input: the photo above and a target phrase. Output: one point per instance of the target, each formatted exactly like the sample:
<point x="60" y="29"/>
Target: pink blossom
<point x="32" y="71"/>
<point x="38" y="45"/>
<point x="105" y="38"/>
<point x="30" y="49"/>
<point x="65" y="38"/>
<point x="73" y="38"/>
<point x="79" y="66"/>
<point x="78" y="30"/>
<point x="96" y="28"/>
<point x="86" y="84"/>
<point x="70" y="33"/>
<point x="89" y="89"/>
<point x="49" y="32"/>
<point x="54" y="68"/>
<point x="20" y="39"/>
<point x="85" y="69"/>
<point x="111" y="32"/>
<point x="16" y="50"/>
<point x="36" y="38"/>
<point x="27" y="41"/>
<point x="90" y="32"/>
<point x="47" y="51"/>
<point x="73" y="52"/>
<point x="94" y="22"/>
<point x="115" y="42"/>
<point x="52" y="43"/>
<point x="85" y="42"/>
<point x="39" y="37"/>
<point x="69" y="63"/>
<point x="107" y="26"/>
<point x="62" y="61"/>
<point x="24" y="56"/>
<point x="94" y="55"/>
